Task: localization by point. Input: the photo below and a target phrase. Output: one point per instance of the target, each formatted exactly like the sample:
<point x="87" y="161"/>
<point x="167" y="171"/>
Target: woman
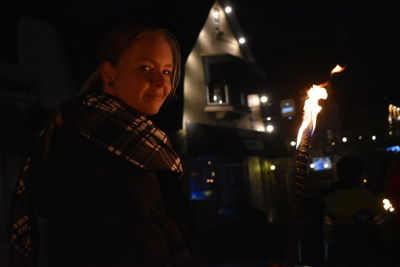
<point x="104" y="182"/>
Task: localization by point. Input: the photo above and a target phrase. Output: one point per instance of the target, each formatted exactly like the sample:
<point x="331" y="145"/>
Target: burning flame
<point x="337" y="69"/>
<point x="311" y="107"/>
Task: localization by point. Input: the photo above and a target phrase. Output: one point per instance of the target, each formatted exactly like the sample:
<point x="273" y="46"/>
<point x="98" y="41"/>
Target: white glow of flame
<point x="311" y="107"/>
<point x="311" y="110"/>
<point x="387" y="205"/>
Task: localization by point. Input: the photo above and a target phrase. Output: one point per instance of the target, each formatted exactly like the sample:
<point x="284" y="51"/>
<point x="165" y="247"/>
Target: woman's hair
<point x="119" y="40"/>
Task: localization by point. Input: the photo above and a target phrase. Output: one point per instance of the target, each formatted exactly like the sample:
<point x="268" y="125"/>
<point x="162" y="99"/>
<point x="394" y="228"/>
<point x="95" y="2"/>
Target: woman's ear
<point x="107" y="71"/>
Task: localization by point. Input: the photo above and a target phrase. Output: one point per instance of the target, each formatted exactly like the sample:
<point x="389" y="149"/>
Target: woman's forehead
<point x="151" y="46"/>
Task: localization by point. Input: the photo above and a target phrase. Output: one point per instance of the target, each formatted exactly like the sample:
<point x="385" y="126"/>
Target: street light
<point x="270" y="128"/>
<point x="264" y="99"/>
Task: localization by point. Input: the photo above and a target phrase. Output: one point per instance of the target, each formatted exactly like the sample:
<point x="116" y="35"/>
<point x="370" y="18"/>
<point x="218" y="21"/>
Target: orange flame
<point x="311" y="107"/>
<point x="337" y="69"/>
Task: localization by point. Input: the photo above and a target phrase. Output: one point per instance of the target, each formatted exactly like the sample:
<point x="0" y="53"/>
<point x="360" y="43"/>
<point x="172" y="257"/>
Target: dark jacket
<point x="97" y="209"/>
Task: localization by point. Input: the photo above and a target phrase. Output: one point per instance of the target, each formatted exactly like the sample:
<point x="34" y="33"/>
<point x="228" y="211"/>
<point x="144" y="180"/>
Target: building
<point x="235" y="150"/>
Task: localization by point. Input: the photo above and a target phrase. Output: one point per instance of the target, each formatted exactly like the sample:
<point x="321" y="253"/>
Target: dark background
<point x="296" y="42"/>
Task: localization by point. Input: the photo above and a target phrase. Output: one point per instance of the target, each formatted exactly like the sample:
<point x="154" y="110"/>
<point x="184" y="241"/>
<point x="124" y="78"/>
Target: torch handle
<point x="298" y="195"/>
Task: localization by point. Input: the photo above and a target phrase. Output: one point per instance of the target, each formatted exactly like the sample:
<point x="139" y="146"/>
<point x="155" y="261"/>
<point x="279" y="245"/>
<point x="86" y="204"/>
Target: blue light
<point x="321" y="163"/>
<point x="200" y="195"/>
<point x="287" y="110"/>
<point x="393" y="149"/>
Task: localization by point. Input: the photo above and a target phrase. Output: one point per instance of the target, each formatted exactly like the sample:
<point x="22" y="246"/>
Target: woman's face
<point x="142" y="77"/>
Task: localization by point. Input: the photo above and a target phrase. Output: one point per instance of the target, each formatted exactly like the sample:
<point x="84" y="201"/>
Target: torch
<point x="311" y="110"/>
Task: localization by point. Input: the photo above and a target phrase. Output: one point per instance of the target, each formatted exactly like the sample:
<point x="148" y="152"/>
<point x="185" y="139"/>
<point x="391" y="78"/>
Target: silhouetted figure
<point x="354" y="222"/>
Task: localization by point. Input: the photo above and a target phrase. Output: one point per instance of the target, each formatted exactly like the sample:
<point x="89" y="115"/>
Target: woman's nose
<point x="159" y="79"/>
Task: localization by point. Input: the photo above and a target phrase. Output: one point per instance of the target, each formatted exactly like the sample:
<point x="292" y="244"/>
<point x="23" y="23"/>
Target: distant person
<point x="354" y="218"/>
<point x="103" y="185"/>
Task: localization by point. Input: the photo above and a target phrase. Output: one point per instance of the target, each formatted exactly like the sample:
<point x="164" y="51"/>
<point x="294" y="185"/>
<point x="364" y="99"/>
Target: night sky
<point x="296" y="42"/>
<point x="299" y="42"/>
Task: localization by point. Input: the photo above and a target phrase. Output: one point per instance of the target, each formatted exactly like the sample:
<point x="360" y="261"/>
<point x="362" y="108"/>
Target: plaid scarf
<point x="117" y="128"/>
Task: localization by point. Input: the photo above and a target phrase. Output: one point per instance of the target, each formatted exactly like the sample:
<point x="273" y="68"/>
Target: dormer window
<point x="216" y="17"/>
<point x="217" y="93"/>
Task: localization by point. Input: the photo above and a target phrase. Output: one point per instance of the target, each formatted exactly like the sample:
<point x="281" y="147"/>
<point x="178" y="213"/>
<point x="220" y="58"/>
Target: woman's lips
<point x="155" y="96"/>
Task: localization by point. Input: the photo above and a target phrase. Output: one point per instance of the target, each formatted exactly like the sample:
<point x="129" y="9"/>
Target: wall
<point x="207" y="44"/>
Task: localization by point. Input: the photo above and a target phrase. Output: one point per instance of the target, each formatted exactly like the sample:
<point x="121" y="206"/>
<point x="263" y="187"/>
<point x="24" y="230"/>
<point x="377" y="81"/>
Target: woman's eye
<point x="145" y="68"/>
<point x="167" y="72"/>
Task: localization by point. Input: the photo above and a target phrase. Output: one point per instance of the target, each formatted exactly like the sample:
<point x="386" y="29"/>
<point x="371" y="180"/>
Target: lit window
<point x="215" y="17"/>
<point x="215" y="14"/>
<point x="217" y="93"/>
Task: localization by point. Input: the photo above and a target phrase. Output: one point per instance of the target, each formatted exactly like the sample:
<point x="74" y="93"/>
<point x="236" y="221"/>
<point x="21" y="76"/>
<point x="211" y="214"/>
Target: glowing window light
<point x="253" y="100"/>
<point x="242" y="40"/>
<point x="228" y="9"/>
<point x="209" y="162"/>
<point x="213" y="174"/>
<point x="292" y="143"/>
<point x="270" y="128"/>
<point x="264" y="99"/>
<point x="215" y="13"/>
<point x="373" y="137"/>
<point x="344" y="139"/>
<point x="360" y="137"/>
<point x="259" y="127"/>
<point x="273" y="167"/>
<point x="333" y="143"/>
<point x="312" y="165"/>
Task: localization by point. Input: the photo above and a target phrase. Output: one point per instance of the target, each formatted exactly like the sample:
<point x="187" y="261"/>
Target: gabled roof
<point x="236" y="29"/>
